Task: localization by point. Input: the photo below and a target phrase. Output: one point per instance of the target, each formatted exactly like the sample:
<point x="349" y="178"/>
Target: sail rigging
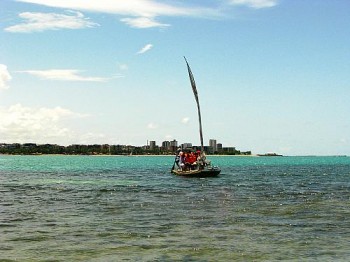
<point x="194" y="89"/>
<point x="194" y="164"/>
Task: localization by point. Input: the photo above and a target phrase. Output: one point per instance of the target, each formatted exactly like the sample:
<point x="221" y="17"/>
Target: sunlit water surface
<point x="83" y="208"/>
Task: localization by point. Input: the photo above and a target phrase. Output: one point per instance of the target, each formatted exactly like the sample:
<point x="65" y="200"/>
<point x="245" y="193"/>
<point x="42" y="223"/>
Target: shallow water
<point x="83" y="208"/>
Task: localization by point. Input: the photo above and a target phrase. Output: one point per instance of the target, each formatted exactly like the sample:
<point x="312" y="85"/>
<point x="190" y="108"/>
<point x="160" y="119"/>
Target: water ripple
<point x="75" y="208"/>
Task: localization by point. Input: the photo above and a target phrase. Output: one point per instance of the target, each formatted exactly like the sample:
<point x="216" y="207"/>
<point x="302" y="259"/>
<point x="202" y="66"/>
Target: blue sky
<point x="272" y="75"/>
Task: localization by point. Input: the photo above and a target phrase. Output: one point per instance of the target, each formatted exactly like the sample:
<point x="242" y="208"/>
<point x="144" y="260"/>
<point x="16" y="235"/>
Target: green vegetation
<point x="105" y="149"/>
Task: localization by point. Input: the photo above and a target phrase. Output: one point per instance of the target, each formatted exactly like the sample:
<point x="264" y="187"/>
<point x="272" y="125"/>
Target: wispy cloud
<point x="145" y="49"/>
<point x="257" y="4"/>
<point x="137" y="13"/>
<point x="152" y="126"/>
<point x="142" y="22"/>
<point x="5" y="77"/>
<point x="123" y="67"/>
<point x="135" y="8"/>
<point x="38" y="22"/>
<point x="185" y="120"/>
<point x="63" y="75"/>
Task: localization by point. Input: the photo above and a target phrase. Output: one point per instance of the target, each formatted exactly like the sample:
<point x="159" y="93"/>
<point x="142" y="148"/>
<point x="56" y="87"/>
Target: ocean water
<point x="84" y="208"/>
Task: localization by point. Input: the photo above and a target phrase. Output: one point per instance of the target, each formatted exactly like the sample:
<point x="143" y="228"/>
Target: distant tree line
<point x="96" y="149"/>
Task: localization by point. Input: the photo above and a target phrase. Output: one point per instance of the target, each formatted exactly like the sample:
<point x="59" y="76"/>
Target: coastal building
<point x="165" y="148"/>
<point x="152" y="145"/>
<point x="219" y="147"/>
<point x="186" y="145"/>
<point x="173" y="145"/>
<point x="213" y="146"/>
<point x="207" y="149"/>
<point x="229" y="150"/>
<point x="166" y="145"/>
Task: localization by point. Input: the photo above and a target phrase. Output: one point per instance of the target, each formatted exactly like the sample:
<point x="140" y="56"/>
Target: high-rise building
<point x="219" y="147"/>
<point x="212" y="144"/>
<point x="166" y="144"/>
<point x="173" y="145"/>
<point x="186" y="145"/>
<point x="152" y="145"/>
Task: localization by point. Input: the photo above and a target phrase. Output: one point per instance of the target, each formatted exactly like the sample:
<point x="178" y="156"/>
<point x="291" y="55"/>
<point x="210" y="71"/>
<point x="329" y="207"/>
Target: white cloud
<point x="142" y="22"/>
<point x="145" y="49"/>
<point x="63" y="75"/>
<point x="143" y="13"/>
<point x="185" y="120"/>
<point x="41" y="125"/>
<point x="4" y="77"/>
<point x="138" y="8"/>
<point x="38" y="22"/>
<point x="257" y="4"/>
<point x="140" y="13"/>
<point x="123" y="67"/>
<point x="152" y="126"/>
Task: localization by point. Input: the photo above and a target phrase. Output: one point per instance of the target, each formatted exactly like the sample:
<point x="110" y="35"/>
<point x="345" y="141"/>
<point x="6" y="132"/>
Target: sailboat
<point x="202" y="167"/>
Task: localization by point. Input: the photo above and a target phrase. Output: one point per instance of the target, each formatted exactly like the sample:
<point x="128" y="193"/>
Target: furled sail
<point x="194" y="89"/>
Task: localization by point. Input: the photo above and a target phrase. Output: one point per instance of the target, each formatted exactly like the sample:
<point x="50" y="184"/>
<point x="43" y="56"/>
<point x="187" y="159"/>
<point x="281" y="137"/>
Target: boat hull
<point x="210" y="172"/>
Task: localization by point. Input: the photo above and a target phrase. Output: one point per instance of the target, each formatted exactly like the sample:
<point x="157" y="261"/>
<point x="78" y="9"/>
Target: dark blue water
<point x="83" y="208"/>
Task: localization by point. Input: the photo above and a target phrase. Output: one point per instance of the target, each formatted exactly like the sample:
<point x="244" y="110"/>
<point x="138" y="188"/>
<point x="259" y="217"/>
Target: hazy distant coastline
<point x="101" y="149"/>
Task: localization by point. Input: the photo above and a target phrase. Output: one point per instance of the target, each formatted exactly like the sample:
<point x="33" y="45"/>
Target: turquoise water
<point x="83" y="208"/>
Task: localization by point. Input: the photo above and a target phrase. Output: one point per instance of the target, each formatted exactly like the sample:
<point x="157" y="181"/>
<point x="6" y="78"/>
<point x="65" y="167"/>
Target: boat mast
<point x="194" y="89"/>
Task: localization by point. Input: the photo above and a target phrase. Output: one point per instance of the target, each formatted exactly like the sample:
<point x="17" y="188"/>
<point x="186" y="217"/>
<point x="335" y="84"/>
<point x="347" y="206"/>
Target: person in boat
<point x="201" y="160"/>
<point x="187" y="162"/>
<point x="198" y="155"/>
<point x="182" y="160"/>
<point x="192" y="161"/>
<point x="177" y="158"/>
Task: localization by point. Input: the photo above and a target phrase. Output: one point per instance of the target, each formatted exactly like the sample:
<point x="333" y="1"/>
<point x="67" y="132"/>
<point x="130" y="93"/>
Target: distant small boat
<point x="203" y="167"/>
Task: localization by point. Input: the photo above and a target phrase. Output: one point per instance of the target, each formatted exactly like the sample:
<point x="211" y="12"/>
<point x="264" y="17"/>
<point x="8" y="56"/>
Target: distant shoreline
<point x="101" y="155"/>
<point x="152" y="155"/>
